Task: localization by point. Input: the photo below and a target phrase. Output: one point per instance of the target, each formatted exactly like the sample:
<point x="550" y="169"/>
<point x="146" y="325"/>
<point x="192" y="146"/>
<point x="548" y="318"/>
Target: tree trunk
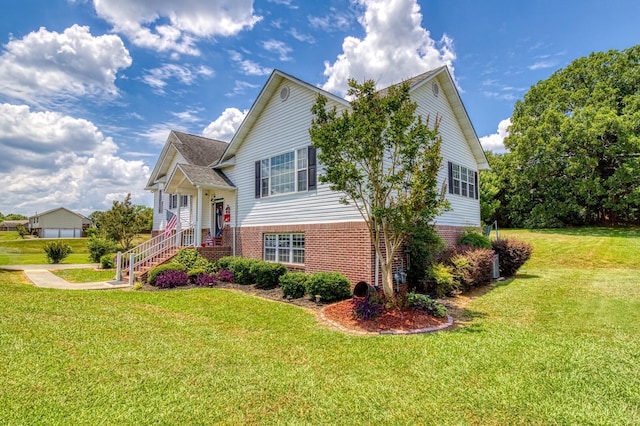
<point x="386" y="268"/>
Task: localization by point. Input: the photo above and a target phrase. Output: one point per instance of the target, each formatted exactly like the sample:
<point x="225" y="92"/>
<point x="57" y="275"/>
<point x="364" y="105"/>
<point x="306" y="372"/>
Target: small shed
<point x="59" y="223"/>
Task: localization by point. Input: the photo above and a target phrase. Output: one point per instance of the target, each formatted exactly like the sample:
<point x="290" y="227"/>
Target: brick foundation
<point x="214" y="253"/>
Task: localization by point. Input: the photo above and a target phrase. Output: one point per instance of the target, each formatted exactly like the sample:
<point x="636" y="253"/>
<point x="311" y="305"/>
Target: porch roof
<point x="203" y="176"/>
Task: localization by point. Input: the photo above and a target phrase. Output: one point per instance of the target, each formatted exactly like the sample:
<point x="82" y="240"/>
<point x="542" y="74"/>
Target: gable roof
<point x="204" y="176"/>
<point x="196" y="150"/>
<point x="261" y="102"/>
<point x="46" y="212"/>
<point x="441" y="73"/>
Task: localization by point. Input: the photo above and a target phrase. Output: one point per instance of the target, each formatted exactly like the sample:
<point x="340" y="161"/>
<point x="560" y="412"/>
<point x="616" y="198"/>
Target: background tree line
<point x="573" y="149"/>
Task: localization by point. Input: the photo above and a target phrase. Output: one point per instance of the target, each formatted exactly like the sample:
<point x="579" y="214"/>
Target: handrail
<point x="153" y="250"/>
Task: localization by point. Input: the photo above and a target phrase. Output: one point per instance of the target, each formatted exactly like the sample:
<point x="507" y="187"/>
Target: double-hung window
<point x="284" y="248"/>
<point x="463" y="181"/>
<point x="173" y="201"/>
<point x="184" y="201"/>
<point x="293" y="171"/>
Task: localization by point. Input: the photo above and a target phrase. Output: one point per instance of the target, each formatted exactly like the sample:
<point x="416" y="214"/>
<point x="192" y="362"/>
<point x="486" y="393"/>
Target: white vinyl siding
<point x="283" y="127"/>
<point x="465" y="211"/>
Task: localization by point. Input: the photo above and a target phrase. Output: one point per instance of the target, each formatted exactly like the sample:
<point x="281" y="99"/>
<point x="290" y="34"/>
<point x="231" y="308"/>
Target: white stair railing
<point x="152" y="251"/>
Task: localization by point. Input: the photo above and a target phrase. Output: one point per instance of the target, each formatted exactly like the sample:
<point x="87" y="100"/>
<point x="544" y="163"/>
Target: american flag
<point x="171" y="223"/>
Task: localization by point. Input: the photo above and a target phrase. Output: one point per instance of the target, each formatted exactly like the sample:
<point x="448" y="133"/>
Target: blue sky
<point x="89" y="89"/>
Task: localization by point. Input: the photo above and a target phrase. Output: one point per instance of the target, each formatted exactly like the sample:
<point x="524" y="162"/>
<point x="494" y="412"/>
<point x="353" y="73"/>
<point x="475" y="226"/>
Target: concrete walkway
<point x="41" y="276"/>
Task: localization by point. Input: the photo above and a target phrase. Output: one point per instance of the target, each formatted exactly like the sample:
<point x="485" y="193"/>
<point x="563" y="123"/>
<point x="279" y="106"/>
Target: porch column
<point x="198" y="229"/>
<point x="178" y="223"/>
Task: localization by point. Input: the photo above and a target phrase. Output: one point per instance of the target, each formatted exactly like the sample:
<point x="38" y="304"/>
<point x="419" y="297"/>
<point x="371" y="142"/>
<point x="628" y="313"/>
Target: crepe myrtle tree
<point x="384" y="159"/>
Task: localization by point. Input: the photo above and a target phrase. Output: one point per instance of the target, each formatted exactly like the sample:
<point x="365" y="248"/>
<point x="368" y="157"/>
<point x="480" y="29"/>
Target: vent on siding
<point x="284" y="93"/>
<point x="435" y="89"/>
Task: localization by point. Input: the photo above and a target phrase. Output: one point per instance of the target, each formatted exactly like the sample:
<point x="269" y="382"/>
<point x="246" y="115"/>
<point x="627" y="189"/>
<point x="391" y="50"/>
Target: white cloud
<point x="51" y="160"/>
<point x="543" y="64"/>
<point x="288" y="3"/>
<point x="185" y="74"/>
<point x="495" y="141"/>
<point x="305" y="38"/>
<point x="225" y="126"/>
<point x="176" y="26"/>
<point x="241" y="88"/>
<point x="47" y="64"/>
<point x="247" y="66"/>
<point x="395" y="47"/>
<point x="279" y="47"/>
<point x="334" y="21"/>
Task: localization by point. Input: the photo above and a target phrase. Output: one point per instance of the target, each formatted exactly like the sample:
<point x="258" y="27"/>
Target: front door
<point x="216" y="218"/>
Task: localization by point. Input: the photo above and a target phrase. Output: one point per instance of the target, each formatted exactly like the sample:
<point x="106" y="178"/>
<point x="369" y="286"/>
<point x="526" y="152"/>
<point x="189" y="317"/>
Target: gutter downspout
<point x="198" y="230"/>
<point x="235" y="224"/>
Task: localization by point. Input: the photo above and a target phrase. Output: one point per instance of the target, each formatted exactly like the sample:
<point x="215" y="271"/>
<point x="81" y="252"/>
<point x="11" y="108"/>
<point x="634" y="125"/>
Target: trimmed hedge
<point x="267" y="274"/>
<point x="471" y="237"/>
<point x="329" y="286"/>
<point x="191" y="259"/>
<point x="513" y="254"/>
<point x="240" y="267"/>
<point x="294" y="284"/>
<point x="107" y="261"/>
<point x="470" y="266"/>
<point x="153" y="273"/>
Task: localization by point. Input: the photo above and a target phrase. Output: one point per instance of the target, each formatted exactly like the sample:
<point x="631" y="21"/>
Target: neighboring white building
<point x="58" y="223"/>
<point x="261" y="192"/>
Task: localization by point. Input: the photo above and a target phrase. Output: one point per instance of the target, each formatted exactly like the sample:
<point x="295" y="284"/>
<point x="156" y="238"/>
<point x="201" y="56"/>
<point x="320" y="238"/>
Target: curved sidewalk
<point x="41" y="276"/>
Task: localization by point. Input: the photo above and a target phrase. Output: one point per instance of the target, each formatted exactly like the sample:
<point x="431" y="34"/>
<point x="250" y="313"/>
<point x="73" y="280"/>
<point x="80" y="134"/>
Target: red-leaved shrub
<point x="513" y="254"/>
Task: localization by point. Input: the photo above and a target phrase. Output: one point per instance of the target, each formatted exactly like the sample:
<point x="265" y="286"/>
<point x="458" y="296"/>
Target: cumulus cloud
<point x="279" y="47"/>
<point x="184" y="74"/>
<point x="334" y="21"/>
<point x="225" y="126"/>
<point x="495" y="141"/>
<point x="174" y="26"/>
<point x="51" y="160"/>
<point x="248" y="66"/>
<point x="395" y="47"/>
<point x="47" y="64"/>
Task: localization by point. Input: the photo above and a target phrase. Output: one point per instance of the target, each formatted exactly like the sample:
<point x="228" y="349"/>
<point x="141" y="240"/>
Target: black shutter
<point x="257" y="179"/>
<point x="450" y="177"/>
<point x="311" y="153"/>
<point x="475" y="179"/>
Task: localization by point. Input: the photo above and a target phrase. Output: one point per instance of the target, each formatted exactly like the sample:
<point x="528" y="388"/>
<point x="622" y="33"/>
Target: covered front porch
<point x="205" y="202"/>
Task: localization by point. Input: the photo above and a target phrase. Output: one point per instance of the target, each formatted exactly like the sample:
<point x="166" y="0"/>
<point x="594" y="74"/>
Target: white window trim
<point x="296" y="170"/>
<point x="278" y="250"/>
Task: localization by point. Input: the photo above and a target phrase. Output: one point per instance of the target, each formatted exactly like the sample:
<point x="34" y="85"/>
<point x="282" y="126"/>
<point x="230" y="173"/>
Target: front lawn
<point x="86" y="275"/>
<point x="31" y="251"/>
<point x="559" y="344"/>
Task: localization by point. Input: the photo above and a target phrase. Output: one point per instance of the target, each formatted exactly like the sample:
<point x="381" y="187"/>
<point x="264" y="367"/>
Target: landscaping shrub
<point x="172" y="278"/>
<point x="57" y="251"/>
<point x="241" y="269"/>
<point x="107" y="261"/>
<point x="442" y="279"/>
<point x="153" y="273"/>
<point x="480" y="265"/>
<point x="225" y="262"/>
<point x="191" y="259"/>
<point x="294" y="284"/>
<point x="513" y="254"/>
<point x="193" y="274"/>
<point x="98" y="247"/>
<point x="472" y="237"/>
<point x="224" y="275"/>
<point x="369" y="307"/>
<point x="424" y="245"/>
<point x="206" y="280"/>
<point x="425" y="303"/>
<point x="470" y="267"/>
<point x="267" y="274"/>
<point x="329" y="286"/>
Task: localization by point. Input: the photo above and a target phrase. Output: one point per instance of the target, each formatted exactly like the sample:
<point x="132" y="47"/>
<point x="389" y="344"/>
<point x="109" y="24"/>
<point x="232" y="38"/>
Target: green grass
<point x="560" y="344"/>
<point x="85" y="275"/>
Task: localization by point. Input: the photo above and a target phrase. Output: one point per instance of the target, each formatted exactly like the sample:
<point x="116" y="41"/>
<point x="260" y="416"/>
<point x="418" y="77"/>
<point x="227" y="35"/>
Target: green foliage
<point x="512" y="255"/>
<point x="107" y="261"/>
<point x="472" y="237"/>
<point x="329" y="286"/>
<point x="191" y="259"/>
<point x="224" y="263"/>
<point x="574" y="144"/>
<point x="193" y="273"/>
<point x="122" y="223"/>
<point x="369" y="307"/>
<point x="423" y="245"/>
<point x="98" y="247"/>
<point x="15" y="216"/>
<point x="425" y="303"/>
<point x="153" y="273"/>
<point x="240" y="267"/>
<point x="267" y="274"/>
<point x="57" y="251"/>
<point x="294" y="284"/>
<point x="22" y="231"/>
<point x="442" y="278"/>
<point x="385" y="160"/>
<point x="92" y="232"/>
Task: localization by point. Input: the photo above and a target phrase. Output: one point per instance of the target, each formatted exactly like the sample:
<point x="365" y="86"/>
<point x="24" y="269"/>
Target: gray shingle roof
<point x="198" y="150"/>
<point x="206" y="176"/>
<point x="414" y="81"/>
